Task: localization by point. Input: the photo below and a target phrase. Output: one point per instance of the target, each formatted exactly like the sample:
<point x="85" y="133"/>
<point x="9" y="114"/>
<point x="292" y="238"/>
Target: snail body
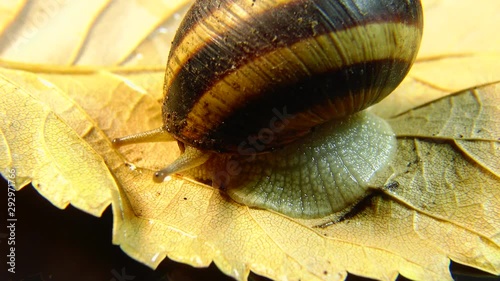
<point x="252" y="77"/>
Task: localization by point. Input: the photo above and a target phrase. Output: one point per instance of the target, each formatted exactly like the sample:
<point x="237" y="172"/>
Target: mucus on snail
<point x="267" y="98"/>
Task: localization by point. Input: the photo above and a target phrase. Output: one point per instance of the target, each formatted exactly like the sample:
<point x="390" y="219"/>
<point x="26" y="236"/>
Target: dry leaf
<point x="460" y="49"/>
<point x="443" y="202"/>
<point x="43" y="149"/>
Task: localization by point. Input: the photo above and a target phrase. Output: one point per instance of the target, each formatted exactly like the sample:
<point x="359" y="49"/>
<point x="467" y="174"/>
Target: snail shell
<point x="248" y="77"/>
<point x="234" y="63"/>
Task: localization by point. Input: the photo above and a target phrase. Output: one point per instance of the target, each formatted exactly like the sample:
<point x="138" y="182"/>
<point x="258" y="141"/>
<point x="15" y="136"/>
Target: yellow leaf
<point x="441" y="201"/>
<point x="460" y="27"/>
<point x="46" y="21"/>
<point x="101" y="32"/>
<point x="41" y="148"/>
<point x="124" y="25"/>
<point x="459" y="50"/>
<point x="9" y="11"/>
<point x="468" y="119"/>
<point x="472" y="115"/>
<point x="189" y="222"/>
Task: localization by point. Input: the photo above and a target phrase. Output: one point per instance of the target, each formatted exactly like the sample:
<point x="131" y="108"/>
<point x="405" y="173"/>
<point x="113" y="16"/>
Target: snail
<point x="267" y="98"/>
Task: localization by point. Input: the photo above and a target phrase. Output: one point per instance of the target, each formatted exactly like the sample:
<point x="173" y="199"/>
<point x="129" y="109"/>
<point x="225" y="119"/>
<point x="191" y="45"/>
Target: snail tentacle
<point x="191" y="158"/>
<point x="155" y="135"/>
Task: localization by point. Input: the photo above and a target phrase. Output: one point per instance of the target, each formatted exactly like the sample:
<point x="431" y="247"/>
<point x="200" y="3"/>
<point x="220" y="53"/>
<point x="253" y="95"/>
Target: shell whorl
<point x="238" y="67"/>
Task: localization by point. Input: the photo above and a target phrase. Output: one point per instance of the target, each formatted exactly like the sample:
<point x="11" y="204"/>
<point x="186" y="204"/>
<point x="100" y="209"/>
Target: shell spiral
<point x="239" y="66"/>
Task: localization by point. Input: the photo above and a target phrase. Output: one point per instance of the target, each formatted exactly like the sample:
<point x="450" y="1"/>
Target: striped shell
<point x="239" y="67"/>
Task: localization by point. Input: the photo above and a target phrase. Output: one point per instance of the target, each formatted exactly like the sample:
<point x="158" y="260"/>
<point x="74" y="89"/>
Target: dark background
<point x="63" y="245"/>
